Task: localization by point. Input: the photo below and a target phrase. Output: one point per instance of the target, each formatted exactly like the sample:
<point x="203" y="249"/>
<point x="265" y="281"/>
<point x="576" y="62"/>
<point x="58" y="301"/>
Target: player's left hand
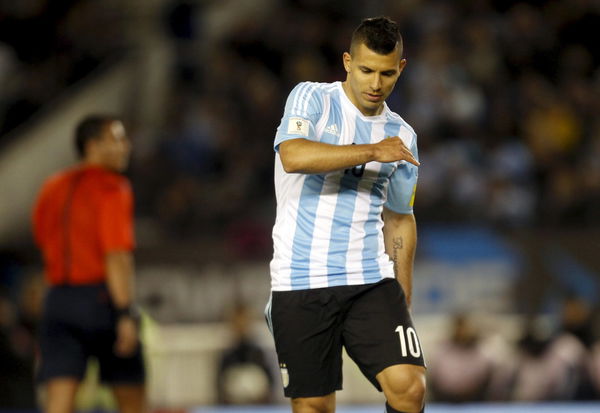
<point x="127" y="337"/>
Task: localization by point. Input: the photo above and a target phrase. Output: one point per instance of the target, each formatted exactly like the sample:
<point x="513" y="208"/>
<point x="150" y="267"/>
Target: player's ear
<point x="347" y="59"/>
<point x="402" y="65"/>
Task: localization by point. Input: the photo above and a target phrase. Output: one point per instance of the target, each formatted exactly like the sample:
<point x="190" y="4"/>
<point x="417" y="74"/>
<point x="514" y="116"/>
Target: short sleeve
<point x="116" y="219"/>
<point x="403" y="185"/>
<point x="45" y="204"/>
<point x="37" y="216"/>
<point x="302" y="111"/>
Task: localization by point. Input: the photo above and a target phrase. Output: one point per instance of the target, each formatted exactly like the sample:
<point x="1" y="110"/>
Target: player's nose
<point x="376" y="82"/>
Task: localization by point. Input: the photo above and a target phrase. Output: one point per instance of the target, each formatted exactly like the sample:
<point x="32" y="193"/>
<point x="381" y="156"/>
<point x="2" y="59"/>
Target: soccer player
<point x="344" y="237"/>
<point x="82" y="222"/>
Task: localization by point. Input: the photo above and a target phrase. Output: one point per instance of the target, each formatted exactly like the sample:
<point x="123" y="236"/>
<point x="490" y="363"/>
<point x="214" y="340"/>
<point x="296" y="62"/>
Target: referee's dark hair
<point x="379" y="34"/>
<point x="90" y="128"/>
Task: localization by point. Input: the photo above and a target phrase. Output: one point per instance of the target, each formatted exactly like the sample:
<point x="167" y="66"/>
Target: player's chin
<point x="372" y="106"/>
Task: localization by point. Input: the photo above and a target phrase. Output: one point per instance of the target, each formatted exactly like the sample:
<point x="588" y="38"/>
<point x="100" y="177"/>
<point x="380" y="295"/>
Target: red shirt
<point x="82" y="214"/>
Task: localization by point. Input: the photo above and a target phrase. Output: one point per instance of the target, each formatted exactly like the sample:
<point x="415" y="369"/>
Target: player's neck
<point x="353" y="99"/>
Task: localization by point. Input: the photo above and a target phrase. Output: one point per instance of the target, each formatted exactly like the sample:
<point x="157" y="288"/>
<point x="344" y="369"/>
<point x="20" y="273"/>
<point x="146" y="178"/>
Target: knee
<point x="405" y="390"/>
<point x="409" y="399"/>
<point x="313" y="405"/>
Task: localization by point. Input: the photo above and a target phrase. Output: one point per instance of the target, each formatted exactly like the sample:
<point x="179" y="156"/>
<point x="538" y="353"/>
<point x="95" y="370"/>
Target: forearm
<point x="400" y="236"/>
<point x="304" y="156"/>
<point x="119" y="277"/>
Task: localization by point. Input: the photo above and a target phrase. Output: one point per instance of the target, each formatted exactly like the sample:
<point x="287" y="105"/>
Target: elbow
<point x="292" y="156"/>
<point x="291" y="167"/>
<point x="290" y="163"/>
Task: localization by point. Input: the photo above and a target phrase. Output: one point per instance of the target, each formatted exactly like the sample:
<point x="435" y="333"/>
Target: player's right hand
<point x="127" y="337"/>
<point x="392" y="150"/>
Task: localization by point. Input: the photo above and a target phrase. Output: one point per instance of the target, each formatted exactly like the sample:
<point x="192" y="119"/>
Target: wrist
<point x="373" y="149"/>
<point x="131" y="311"/>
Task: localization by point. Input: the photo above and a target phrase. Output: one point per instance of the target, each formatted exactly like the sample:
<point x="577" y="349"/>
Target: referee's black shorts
<point x="79" y="322"/>
<point x="310" y="327"/>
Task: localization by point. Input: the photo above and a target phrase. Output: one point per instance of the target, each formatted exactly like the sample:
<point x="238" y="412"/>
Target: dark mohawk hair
<point x="380" y="34"/>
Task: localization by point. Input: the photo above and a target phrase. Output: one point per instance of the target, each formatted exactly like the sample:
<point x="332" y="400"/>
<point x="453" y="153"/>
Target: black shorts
<point x="78" y="323"/>
<point x="310" y="328"/>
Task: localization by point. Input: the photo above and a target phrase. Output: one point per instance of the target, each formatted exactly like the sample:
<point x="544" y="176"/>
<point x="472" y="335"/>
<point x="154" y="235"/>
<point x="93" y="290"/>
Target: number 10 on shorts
<point x="411" y="338"/>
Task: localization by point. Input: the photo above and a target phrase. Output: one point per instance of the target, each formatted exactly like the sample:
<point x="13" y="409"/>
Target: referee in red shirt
<point x="83" y="224"/>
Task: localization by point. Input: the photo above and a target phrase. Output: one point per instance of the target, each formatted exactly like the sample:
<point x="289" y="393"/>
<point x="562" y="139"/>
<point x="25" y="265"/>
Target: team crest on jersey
<point x="298" y="126"/>
<point x="285" y="377"/>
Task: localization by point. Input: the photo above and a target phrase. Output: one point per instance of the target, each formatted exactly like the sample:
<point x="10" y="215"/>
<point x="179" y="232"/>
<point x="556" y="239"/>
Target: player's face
<point x="115" y="147"/>
<point x="371" y="77"/>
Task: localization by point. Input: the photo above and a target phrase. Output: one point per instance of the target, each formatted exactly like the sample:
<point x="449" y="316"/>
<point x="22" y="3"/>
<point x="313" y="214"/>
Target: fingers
<point x="407" y="155"/>
<point x="398" y="151"/>
<point x="411" y="159"/>
<point x="125" y="346"/>
<point x="127" y="338"/>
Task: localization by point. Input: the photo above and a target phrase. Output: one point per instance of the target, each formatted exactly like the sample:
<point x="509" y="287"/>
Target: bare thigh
<point x="60" y="394"/>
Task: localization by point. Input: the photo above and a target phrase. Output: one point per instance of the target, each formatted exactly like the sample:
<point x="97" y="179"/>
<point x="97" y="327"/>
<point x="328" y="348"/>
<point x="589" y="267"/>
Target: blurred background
<point x="504" y="96"/>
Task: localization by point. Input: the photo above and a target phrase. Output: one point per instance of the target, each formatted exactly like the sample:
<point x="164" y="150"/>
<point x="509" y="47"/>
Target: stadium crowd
<point x="503" y="95"/>
<point x="47" y="46"/>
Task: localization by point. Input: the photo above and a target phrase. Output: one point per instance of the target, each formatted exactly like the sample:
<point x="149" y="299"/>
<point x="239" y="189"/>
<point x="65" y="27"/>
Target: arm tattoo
<point x="398" y="244"/>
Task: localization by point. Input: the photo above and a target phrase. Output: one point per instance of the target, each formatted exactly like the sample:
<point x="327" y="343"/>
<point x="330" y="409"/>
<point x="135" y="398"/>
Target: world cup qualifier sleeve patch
<point x="298" y="126"/>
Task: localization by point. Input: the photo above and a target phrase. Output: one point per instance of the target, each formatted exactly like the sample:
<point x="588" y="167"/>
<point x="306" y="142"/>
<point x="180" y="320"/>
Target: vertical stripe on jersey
<point x="344" y="213"/>
<point x="300" y="93"/>
<point x="374" y="224"/>
<point x="372" y="228"/>
<point x="301" y="108"/>
<point x="326" y="208"/>
<point x="360" y="241"/>
<point x="301" y="248"/>
<point x="334" y="117"/>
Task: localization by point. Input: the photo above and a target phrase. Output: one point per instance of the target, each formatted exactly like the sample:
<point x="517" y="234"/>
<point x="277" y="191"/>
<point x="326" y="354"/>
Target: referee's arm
<point x="120" y="277"/>
<point x="400" y="236"/>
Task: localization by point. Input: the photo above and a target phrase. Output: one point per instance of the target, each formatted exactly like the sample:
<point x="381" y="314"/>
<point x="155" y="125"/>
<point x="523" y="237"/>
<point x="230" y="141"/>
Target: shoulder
<point x="406" y="131"/>
<point x="112" y="182"/>
<point x="394" y="117"/>
<point x="312" y="88"/>
<point x="309" y="96"/>
<point x="57" y="179"/>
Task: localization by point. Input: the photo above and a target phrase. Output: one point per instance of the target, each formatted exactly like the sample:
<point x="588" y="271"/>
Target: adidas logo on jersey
<point x="333" y="129"/>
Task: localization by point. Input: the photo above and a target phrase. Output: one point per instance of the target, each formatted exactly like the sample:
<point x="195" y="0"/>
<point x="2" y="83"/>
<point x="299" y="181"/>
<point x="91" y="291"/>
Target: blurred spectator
<point x="594" y="369"/>
<point x="244" y="375"/>
<point x="29" y="312"/>
<point x="548" y="368"/>
<point x="460" y="370"/>
<point x="574" y="342"/>
<point x="16" y="371"/>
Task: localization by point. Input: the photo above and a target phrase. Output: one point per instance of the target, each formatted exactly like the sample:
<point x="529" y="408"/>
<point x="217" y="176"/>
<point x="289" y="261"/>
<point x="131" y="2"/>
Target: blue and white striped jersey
<point x="328" y="230"/>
